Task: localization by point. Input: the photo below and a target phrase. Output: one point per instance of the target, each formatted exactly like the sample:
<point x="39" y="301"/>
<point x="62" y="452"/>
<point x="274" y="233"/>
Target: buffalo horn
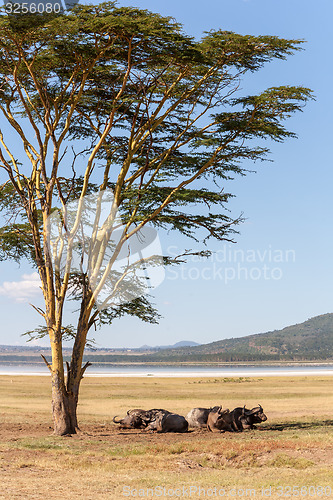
<point x="115" y="421"/>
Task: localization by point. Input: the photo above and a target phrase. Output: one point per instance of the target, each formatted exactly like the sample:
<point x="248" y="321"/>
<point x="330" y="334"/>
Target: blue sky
<point x="280" y="270"/>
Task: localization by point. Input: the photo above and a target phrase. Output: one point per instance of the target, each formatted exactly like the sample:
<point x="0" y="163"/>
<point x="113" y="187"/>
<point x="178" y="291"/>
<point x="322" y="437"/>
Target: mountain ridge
<point x="311" y="340"/>
<point x="36" y="348"/>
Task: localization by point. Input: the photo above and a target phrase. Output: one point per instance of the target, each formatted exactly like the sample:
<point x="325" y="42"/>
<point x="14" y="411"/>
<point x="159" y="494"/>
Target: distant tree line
<point x="324" y="355"/>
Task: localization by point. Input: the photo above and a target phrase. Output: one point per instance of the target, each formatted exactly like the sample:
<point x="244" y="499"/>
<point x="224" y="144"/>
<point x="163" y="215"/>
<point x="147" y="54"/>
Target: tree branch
<point x="83" y="369"/>
<point x="47" y="363"/>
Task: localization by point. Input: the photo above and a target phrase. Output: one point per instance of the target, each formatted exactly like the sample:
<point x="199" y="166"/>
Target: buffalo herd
<point x="214" y="419"/>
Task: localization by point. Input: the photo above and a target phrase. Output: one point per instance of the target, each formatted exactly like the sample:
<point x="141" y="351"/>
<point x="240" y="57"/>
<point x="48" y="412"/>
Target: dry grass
<point x="293" y="448"/>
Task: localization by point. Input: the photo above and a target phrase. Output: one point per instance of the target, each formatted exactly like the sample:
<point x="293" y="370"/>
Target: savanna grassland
<point x="293" y="448"/>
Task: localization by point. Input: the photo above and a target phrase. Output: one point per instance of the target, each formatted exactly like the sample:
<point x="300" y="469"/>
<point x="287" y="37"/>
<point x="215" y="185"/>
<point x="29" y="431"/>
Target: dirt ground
<point x="102" y="460"/>
<point x="293" y="449"/>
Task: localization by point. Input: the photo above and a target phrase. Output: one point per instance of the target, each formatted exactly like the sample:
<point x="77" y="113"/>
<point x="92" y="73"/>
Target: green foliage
<point x="68" y="333"/>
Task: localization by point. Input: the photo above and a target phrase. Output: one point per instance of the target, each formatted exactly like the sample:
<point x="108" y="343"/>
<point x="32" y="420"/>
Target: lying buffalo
<point x="236" y="420"/>
<point x="219" y="420"/>
<point x="138" y="418"/>
<point x="168" y="422"/>
<point x="254" y="416"/>
<point x="135" y="419"/>
<point x="197" y="417"/>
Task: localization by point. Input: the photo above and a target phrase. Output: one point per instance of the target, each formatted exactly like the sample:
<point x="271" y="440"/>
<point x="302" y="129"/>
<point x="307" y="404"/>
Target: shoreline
<point x="193" y="375"/>
<point x="215" y="364"/>
<point x="190" y="370"/>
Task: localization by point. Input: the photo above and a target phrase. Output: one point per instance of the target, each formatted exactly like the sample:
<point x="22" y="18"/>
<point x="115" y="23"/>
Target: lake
<point x="113" y="370"/>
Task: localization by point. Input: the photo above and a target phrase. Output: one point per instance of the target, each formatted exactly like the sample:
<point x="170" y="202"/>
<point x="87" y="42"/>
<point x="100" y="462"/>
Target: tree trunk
<point x="64" y="406"/>
<point x="65" y="394"/>
<point x="65" y="397"/>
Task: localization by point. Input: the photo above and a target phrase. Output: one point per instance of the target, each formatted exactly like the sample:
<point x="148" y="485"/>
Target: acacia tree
<point x="106" y="97"/>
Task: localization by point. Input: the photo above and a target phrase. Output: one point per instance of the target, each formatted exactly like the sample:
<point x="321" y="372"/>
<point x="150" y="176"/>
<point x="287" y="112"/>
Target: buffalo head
<point x="133" y="420"/>
<point x="257" y="414"/>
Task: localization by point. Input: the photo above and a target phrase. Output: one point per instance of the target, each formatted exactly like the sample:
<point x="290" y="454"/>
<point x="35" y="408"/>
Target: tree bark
<point x="65" y="395"/>
<point x="64" y="407"/>
<point x="64" y="401"/>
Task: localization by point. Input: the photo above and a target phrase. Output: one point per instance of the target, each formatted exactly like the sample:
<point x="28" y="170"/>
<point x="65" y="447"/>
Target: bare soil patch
<point x="294" y="447"/>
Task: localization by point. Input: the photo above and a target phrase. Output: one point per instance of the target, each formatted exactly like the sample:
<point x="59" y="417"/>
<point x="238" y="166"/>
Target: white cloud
<point x="24" y="290"/>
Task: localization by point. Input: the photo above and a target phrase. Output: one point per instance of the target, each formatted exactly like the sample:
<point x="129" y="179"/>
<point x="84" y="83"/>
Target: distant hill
<point x="311" y="340"/>
<point x="308" y="341"/>
<point x="144" y="348"/>
<point x="182" y="343"/>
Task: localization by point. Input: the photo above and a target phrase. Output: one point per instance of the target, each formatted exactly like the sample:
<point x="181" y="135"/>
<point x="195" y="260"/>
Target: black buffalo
<point x="138" y="418"/>
<point x="236" y="420"/>
<point x="254" y="416"/>
<point x="220" y="420"/>
<point x="168" y="422"/>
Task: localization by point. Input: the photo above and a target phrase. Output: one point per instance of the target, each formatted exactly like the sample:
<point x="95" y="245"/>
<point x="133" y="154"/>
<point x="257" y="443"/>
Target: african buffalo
<point x="220" y="420"/>
<point x="236" y="420"/>
<point x="135" y="419"/>
<point x="254" y="416"/>
<point x="168" y="422"/>
<point x="245" y="419"/>
<point x="197" y="417"/>
<point x="138" y="418"/>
